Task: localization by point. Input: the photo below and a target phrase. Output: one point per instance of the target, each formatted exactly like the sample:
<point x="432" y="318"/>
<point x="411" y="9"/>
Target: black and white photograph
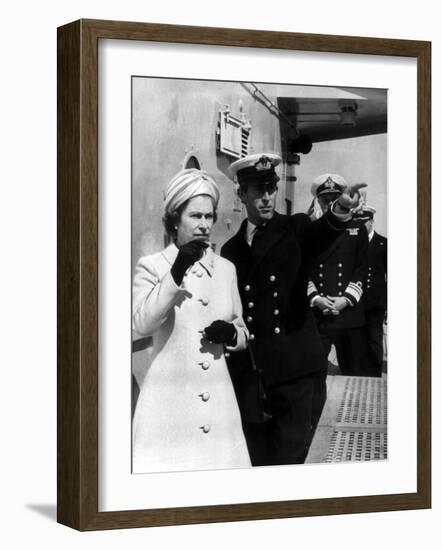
<point x="259" y="274"/>
<point x="220" y="235"/>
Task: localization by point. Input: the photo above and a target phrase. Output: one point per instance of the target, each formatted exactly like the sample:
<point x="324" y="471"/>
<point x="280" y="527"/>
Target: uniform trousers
<point x="352" y="350"/>
<point x="295" y="408"/>
<point x="375" y="336"/>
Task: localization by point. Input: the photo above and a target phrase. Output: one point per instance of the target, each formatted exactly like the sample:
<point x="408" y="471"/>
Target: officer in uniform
<point x="375" y="289"/>
<point x="285" y="362"/>
<point x="336" y="283"/>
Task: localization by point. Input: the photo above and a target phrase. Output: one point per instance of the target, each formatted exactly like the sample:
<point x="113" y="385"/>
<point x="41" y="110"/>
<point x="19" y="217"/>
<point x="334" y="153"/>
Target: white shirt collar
<point x="370" y="235"/>
<point x="250" y="231"/>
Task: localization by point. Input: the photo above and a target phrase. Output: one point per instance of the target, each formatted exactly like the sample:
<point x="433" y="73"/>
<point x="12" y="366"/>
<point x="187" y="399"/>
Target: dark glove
<point x="221" y="332"/>
<point x="188" y="254"/>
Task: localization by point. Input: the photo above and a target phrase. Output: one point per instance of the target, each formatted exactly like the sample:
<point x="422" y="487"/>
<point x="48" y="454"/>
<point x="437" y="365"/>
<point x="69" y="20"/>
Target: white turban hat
<point x="188" y="184"/>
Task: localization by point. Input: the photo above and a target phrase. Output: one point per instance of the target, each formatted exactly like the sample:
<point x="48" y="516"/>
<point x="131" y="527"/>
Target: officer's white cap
<point x="328" y="183"/>
<point x="257" y="166"/>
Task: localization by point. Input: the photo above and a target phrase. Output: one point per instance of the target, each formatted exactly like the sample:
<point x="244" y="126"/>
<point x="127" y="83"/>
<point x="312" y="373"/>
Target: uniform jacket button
<point x="272" y="278"/>
<point x="205" y="396"/>
<point x="249" y="319"/>
<point x="339" y="265"/>
<point x="204" y="300"/>
<point x="275" y="295"/>
<point x="339" y="284"/>
<point x="276" y="312"/>
<point x="321" y="275"/>
<point x="205" y="365"/>
<point x="250" y="305"/>
<point x="251" y="337"/>
<point x="206" y="428"/>
<point x="199" y="273"/>
<point x="247" y="288"/>
<point x="321" y="265"/>
<point x="339" y="274"/>
<point x="277" y="330"/>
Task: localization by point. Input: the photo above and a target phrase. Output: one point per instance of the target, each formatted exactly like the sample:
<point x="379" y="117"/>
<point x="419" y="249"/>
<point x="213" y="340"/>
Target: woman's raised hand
<point x="188" y="254"/>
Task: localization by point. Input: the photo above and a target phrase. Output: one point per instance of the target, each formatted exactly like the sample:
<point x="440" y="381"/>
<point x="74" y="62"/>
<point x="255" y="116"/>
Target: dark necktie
<point x="257" y="235"/>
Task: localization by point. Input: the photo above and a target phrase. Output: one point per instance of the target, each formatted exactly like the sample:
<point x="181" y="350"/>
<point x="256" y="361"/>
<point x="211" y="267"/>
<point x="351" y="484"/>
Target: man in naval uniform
<point x="272" y="255"/>
<point x="375" y="289"/>
<point x="335" y="286"/>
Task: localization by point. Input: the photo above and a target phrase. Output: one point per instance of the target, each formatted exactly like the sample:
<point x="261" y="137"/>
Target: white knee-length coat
<point x="186" y="417"/>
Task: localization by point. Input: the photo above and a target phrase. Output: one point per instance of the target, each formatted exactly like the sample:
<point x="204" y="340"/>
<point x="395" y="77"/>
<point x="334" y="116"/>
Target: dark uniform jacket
<point x="341" y="271"/>
<point x="272" y="281"/>
<point x="375" y="282"/>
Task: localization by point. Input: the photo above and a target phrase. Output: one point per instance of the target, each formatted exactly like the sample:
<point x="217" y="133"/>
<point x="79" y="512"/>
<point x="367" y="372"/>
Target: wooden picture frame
<point x="78" y="274"/>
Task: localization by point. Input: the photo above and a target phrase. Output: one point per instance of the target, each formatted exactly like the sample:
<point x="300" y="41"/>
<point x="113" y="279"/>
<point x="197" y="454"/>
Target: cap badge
<point x="329" y="183"/>
<point x="264" y="163"/>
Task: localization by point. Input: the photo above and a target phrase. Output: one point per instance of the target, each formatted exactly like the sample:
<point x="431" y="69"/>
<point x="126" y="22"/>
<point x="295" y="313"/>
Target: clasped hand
<point x="331" y="305"/>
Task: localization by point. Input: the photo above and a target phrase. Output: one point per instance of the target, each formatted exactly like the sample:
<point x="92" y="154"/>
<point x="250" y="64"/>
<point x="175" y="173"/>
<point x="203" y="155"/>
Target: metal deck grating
<point x="364" y="401"/>
<point x="349" y="445"/>
<point x="353" y="425"/>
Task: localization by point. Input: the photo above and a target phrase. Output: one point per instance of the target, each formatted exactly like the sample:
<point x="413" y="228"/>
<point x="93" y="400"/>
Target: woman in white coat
<point x="186" y="298"/>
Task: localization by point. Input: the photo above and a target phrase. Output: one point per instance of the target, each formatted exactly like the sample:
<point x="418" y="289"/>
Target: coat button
<point x="251" y="337"/>
<point x="321" y="265"/>
<point x="206" y="428"/>
<point x="247" y="288"/>
<point x="321" y="275"/>
<point x="321" y="284"/>
<point x="250" y="305"/>
<point x="275" y="295"/>
<point x="205" y="365"/>
<point x="249" y="319"/>
<point x="339" y="274"/>
<point x="204" y="300"/>
<point x="368" y="286"/>
<point x="339" y="293"/>
<point x="339" y="265"/>
<point x="339" y="284"/>
<point x="226" y="354"/>
<point x="272" y="278"/>
<point x="199" y="273"/>
<point x="276" y="312"/>
<point x="277" y="330"/>
<point x="205" y="396"/>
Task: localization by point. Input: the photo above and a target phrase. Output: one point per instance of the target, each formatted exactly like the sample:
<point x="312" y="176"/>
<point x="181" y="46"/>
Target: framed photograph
<point x="227" y="348"/>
